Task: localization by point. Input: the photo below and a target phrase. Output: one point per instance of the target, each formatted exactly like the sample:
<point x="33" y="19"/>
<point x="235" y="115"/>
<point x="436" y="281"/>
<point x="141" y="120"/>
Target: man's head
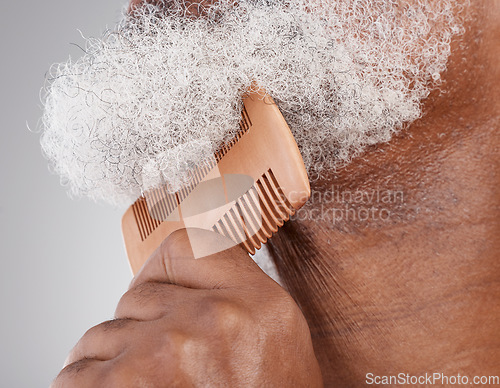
<point x="163" y="91"/>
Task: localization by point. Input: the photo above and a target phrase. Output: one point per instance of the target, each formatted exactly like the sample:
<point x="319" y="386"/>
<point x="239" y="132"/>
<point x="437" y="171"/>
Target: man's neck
<point x="394" y="259"/>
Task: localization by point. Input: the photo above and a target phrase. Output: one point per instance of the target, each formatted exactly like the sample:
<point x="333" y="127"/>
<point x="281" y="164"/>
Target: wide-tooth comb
<point x="250" y="188"/>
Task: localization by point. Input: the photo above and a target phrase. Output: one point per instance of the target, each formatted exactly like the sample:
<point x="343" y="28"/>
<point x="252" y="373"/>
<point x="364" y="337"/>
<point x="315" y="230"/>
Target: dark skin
<point x="418" y="292"/>
<point x="186" y="321"/>
<point x="415" y="292"/>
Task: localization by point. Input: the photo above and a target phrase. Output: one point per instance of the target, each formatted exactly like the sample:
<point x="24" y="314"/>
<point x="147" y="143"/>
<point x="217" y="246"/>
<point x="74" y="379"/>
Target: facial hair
<point x="162" y="92"/>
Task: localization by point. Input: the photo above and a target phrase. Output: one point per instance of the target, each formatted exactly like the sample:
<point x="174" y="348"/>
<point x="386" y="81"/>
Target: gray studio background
<point x="64" y="266"/>
<point x="63" y="262"/>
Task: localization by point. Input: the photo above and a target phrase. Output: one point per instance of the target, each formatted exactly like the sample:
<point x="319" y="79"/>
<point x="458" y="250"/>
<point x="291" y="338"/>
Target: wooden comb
<point x="250" y="188"/>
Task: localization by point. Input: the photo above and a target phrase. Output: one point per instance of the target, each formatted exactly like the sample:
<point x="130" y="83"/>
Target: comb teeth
<point x="162" y="202"/>
<point x="145" y="223"/>
<point x="241" y="222"/>
<point x="251" y="221"/>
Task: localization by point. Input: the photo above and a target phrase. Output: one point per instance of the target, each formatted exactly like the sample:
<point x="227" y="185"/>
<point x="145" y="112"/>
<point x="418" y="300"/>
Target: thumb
<point x="199" y="258"/>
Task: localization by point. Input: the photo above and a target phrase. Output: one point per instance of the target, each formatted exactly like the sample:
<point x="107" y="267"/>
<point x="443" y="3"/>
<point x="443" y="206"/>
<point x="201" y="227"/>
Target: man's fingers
<point x="104" y="341"/>
<point x="149" y="301"/>
<point x="85" y="373"/>
<point x="198" y="258"/>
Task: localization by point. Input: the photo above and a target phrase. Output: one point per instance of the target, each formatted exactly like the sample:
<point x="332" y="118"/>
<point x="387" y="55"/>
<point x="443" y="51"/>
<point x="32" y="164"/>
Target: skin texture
<point x="415" y="292"/>
<point x="418" y="292"/>
<point x="215" y="321"/>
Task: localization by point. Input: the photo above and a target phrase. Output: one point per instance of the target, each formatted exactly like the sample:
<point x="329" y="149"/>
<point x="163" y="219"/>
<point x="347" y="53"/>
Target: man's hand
<point x="213" y="321"/>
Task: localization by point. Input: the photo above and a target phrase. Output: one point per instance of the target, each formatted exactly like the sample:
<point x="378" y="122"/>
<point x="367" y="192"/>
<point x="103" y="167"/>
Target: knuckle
<point x="160" y="353"/>
<point x="175" y="342"/>
<point x="112" y="325"/>
<point x="153" y="371"/>
<point x="126" y="301"/>
<point x="93" y="340"/>
<point x="178" y="237"/>
<point x="87" y="338"/>
<point x="224" y="314"/>
<point x="136" y="296"/>
<point x="170" y="348"/>
<point x="76" y="371"/>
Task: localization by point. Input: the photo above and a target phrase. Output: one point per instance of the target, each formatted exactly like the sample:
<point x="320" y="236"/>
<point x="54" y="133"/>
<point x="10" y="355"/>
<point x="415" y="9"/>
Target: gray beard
<point x="163" y="91"/>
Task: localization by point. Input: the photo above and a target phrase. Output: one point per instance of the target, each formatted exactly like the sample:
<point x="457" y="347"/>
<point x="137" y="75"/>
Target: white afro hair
<point x="162" y="91"/>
